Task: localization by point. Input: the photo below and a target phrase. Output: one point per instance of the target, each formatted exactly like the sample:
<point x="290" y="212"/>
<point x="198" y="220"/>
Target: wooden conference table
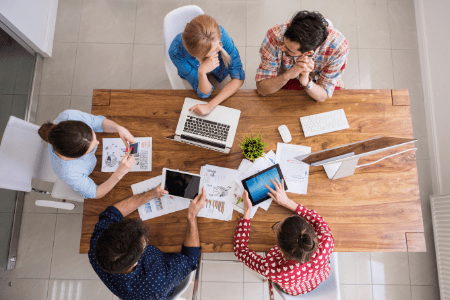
<point x="377" y="209"/>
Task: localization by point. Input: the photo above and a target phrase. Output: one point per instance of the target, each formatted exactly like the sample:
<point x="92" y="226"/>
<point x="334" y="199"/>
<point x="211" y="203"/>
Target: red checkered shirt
<point x="329" y="59"/>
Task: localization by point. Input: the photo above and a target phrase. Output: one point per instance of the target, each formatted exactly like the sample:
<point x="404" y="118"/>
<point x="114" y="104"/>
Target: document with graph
<point x="295" y="172"/>
<point x="157" y="206"/>
<point x="219" y="186"/>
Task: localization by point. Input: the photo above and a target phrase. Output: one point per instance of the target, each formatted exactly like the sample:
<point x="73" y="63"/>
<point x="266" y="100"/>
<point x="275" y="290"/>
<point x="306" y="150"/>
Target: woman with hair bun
<point x="300" y="261"/>
<point x="206" y="57"/>
<point x="72" y="143"/>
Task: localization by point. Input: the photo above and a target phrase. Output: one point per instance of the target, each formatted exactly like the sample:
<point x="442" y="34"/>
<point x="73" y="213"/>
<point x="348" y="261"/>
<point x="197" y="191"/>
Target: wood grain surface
<point x="369" y="211"/>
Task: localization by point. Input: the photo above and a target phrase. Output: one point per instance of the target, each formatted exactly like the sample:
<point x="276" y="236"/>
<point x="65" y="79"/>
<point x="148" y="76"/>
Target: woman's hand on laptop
<point x="248" y="206"/>
<point x="201" y="109"/>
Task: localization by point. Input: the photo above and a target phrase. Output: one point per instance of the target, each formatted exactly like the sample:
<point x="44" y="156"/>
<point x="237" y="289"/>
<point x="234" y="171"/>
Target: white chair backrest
<point x="21" y="156"/>
<point x="174" y="24"/>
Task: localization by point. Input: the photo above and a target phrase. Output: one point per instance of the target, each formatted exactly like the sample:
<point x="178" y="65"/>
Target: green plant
<point x="252" y="147"/>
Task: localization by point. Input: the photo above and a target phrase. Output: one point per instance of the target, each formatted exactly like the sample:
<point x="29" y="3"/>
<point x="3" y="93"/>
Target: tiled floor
<point x="119" y="44"/>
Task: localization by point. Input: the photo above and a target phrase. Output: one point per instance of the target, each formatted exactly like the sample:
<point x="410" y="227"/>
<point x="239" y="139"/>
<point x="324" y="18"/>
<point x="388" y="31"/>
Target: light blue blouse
<point x="187" y="65"/>
<point x="75" y="172"/>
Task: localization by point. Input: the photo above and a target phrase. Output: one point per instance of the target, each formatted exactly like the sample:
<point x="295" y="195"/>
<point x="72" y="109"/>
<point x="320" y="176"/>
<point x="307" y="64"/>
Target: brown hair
<point x="297" y="239"/>
<point x="68" y="138"/>
<point x="121" y="245"/>
<point x="199" y="34"/>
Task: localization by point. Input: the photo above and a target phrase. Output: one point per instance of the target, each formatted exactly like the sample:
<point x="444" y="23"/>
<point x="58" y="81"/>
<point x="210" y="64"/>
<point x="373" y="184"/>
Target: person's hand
<point x="196" y="205"/>
<point x="125" y="164"/>
<point x="208" y="64"/>
<point x="248" y="205"/>
<point x="279" y="195"/>
<point x="159" y="191"/>
<point x="201" y="109"/>
<point x="293" y="72"/>
<point x="125" y="135"/>
<point x="306" y="66"/>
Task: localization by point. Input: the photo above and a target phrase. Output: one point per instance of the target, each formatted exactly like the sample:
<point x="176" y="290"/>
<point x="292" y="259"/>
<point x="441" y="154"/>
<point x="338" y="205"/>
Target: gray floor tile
<point x="263" y="15"/>
<point x="252" y="61"/>
<point x="149" y="71"/>
<point x="392" y="292"/>
<point x="223" y="271"/>
<point x="356" y="292"/>
<point x="425" y="292"/>
<point x="49" y="107"/>
<point x="253" y="290"/>
<point x="390" y="268"/>
<point x="7" y="200"/>
<point x="354" y="268"/>
<point x="375" y="69"/>
<point x="68" y="21"/>
<point x="57" y="74"/>
<point x="9" y="64"/>
<point x="402" y="21"/>
<point x="150" y="19"/>
<point x="230" y="14"/>
<point x="425" y="187"/>
<point x="67" y="262"/>
<point x="19" y="106"/>
<point x="102" y="66"/>
<point x="83" y="103"/>
<point x="372" y="21"/>
<point x="341" y="13"/>
<point x="35" y="247"/>
<point x="6" y="219"/>
<point x="25" y="74"/>
<point x="23" y="289"/>
<point x="108" y="21"/>
<point x="222" y="291"/>
<point x="351" y="72"/>
<point x="29" y="205"/>
<point x="78" y="289"/>
<point x="6" y="102"/>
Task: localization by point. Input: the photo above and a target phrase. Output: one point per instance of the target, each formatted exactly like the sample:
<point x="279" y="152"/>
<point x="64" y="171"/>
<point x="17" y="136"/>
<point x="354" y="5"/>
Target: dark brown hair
<point x="297" y="239"/>
<point x="68" y="138"/>
<point x="121" y="245"/>
<point x="309" y="29"/>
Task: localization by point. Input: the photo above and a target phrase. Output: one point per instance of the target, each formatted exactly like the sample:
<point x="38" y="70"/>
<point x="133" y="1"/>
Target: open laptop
<point x="214" y="131"/>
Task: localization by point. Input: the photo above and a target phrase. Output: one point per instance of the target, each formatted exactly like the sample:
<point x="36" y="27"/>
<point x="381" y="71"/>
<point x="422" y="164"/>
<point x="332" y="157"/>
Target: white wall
<point x="32" y="20"/>
<point x="433" y="27"/>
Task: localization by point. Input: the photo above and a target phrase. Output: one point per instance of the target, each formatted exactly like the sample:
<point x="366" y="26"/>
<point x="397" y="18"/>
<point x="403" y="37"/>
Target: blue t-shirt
<point x="187" y="64"/>
<point x="75" y="172"/>
<point x="156" y="274"/>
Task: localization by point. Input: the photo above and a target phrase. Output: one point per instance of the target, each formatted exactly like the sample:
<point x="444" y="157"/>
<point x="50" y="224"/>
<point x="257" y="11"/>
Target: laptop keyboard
<point x="206" y="128"/>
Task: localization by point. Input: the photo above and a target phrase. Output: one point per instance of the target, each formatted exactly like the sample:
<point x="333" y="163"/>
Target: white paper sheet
<point x="158" y="206"/>
<point x="294" y="172"/>
<point x="114" y="151"/>
<point x="219" y="186"/>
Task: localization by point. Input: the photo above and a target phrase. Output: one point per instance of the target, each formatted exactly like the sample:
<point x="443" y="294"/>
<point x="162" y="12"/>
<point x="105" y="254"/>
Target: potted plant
<point x="252" y="147"/>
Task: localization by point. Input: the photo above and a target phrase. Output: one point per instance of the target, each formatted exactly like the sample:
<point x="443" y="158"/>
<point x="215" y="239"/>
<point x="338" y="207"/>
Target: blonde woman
<point x="205" y="55"/>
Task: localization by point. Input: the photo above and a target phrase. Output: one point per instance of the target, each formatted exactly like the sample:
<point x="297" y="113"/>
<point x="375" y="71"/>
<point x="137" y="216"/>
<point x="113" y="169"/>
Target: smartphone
<point x="136" y="148"/>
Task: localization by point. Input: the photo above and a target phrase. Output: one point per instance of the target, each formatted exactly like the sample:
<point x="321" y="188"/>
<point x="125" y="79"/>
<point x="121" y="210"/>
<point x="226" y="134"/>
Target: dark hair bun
<point x="44" y="130"/>
<point x="306" y="243"/>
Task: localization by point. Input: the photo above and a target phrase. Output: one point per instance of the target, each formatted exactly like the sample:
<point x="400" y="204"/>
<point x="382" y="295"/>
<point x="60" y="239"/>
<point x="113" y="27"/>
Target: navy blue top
<point x="187" y="65"/>
<point x="156" y="274"/>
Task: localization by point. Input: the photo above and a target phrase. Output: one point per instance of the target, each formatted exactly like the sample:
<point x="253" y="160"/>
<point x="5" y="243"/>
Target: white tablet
<point x="181" y="184"/>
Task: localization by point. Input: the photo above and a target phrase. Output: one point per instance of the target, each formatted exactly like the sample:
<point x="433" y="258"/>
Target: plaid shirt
<point x="329" y="59"/>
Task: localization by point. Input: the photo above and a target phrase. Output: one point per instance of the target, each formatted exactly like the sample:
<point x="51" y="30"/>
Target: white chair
<point x="329" y="22"/>
<point x="182" y="287"/>
<point x="23" y="156"/>
<point x="174" y="24"/>
<point x="327" y="290"/>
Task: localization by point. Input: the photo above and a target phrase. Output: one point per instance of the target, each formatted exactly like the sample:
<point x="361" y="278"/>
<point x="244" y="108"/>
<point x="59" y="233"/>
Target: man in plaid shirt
<point x="303" y="53"/>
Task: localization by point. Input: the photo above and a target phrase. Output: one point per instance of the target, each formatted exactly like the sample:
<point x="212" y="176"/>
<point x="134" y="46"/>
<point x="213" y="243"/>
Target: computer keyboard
<point x="206" y="128"/>
<point x="324" y="122"/>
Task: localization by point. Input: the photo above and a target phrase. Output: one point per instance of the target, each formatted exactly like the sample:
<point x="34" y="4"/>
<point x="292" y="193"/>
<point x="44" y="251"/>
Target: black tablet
<point x="181" y="184"/>
<point x="255" y="185"/>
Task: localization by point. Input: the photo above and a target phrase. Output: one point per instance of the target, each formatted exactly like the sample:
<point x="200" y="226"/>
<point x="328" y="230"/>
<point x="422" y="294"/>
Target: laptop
<point x="214" y="131"/>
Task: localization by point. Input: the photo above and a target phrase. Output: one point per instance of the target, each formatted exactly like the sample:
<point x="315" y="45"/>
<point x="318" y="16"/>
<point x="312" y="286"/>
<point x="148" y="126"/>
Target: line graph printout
<point x="158" y="206"/>
<point x="295" y="172"/>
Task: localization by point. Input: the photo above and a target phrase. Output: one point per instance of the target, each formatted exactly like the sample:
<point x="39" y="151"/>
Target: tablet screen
<point x="255" y="185"/>
<point x="181" y="184"/>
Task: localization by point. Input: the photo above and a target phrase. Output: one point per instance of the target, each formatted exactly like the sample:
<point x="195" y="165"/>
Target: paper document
<point x="219" y="187"/>
<point x="238" y="203"/>
<point x="294" y="172"/>
<point x="114" y="151"/>
<point x="158" y="206"/>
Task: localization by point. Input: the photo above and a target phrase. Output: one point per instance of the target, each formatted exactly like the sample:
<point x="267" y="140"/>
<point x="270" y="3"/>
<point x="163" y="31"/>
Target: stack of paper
<point x="114" y="152"/>
<point x="158" y="206"/>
